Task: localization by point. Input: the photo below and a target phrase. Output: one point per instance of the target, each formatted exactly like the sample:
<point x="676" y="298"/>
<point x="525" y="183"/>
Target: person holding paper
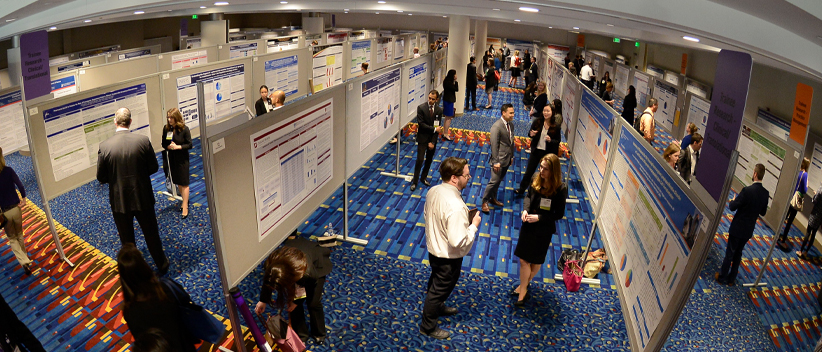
<point x="10" y="207"/>
<point x="429" y="116"/>
<point x="801" y="188"/>
<point x="263" y="105"/>
<point x="749" y="204"/>
<point x="544" y="205"/>
<point x="177" y="143"/>
<point x="689" y="157"/>
<point x="450" y="231"/>
<point x="126" y="162"/>
<point x="502" y="155"/>
<point x="545" y="136"/>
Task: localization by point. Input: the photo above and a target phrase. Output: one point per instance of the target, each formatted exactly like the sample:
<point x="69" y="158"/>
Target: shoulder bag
<point x="198" y="322"/>
<point x="280" y="333"/>
<point x="797" y="201"/>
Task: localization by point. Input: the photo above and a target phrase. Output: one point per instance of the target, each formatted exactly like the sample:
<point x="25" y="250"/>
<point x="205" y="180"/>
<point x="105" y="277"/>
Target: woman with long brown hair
<point x="543" y="206"/>
<point x="177" y="142"/>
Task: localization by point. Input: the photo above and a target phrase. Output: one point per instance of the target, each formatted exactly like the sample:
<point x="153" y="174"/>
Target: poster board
<point x="276" y="44"/>
<point x="13" y="134"/>
<point x="327" y="66"/>
<point x="5" y="80"/>
<point x="592" y="143"/>
<point x="620" y="79"/>
<point x="557" y="80"/>
<point x="361" y="52"/>
<point x="182" y="59"/>
<point x="399" y="47"/>
<point x="673" y="78"/>
<point x="666" y="96"/>
<point x="557" y="52"/>
<point x="384" y="54"/>
<point x="233" y="184"/>
<point x="285" y="70"/>
<point x="656" y="72"/>
<point x="546" y="69"/>
<point x="571" y="93"/>
<point x="815" y="170"/>
<point x="64" y="84"/>
<point x="77" y="64"/>
<point x="335" y="37"/>
<point x="440" y="61"/>
<point x="773" y="124"/>
<point x="241" y="48"/>
<point x="118" y="71"/>
<point x="416" y="79"/>
<point x="700" y="89"/>
<point x="696" y="112"/>
<point x="134" y="53"/>
<point x="642" y="82"/>
<point x="85" y="119"/>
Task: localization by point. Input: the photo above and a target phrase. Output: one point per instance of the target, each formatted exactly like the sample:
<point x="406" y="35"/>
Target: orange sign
<point x="801" y="113"/>
<point x="580" y="40"/>
<point x="684" y="63"/>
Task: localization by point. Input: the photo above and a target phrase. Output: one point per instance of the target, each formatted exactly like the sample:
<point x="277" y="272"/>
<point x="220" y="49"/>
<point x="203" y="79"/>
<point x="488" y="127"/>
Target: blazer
<point x="318" y="264"/>
<point x="547" y="218"/>
<point x="628" y="106"/>
<point x="533" y="72"/>
<point x="126" y="162"/>
<point x="539" y="104"/>
<point x="470" y="77"/>
<point x="426" y="132"/>
<point x="749" y="204"/>
<point x="555" y="133"/>
<point x="163" y="315"/>
<point x="449" y="91"/>
<point x="260" y="106"/>
<point x="502" y="146"/>
<point x="684" y="164"/>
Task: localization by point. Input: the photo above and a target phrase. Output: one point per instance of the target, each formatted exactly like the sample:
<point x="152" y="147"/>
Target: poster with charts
<point x="380" y="106"/>
<point x="672" y="78"/>
<point x="756" y="148"/>
<point x="13" y="134"/>
<point x="558" y="52"/>
<point x="282" y="74"/>
<point x="621" y="79"/>
<point x="224" y="94"/>
<point x="569" y="97"/>
<point x="697" y="89"/>
<point x="592" y="143"/>
<point x="291" y="160"/>
<point x="643" y="88"/>
<point x="385" y="50"/>
<point x="417" y="87"/>
<point x="326" y="67"/>
<point x="189" y="59"/>
<point x="655" y="71"/>
<point x="556" y="82"/>
<point x="665" y="95"/>
<point x="546" y="68"/>
<point x="815" y="170"/>
<point x="74" y="131"/>
<point x="698" y="110"/>
<point x="242" y="50"/>
<point x="360" y="53"/>
<point x="650" y="226"/>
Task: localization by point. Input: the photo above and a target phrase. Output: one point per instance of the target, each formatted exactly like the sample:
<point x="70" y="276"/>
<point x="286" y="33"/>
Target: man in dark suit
<point x="429" y="116"/>
<point x="126" y="161"/>
<point x="502" y="155"/>
<point x="690" y="155"/>
<point x="533" y="72"/>
<point x="471" y="83"/>
<point x="749" y="204"/>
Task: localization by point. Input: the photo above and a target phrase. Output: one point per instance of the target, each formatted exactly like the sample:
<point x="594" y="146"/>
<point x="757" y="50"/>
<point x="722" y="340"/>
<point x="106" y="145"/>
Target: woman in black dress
<point x="604" y="82"/>
<point x="543" y="206"/>
<point x="545" y="137"/>
<point x="628" y="105"/>
<point x="450" y="87"/>
<point x="177" y="142"/>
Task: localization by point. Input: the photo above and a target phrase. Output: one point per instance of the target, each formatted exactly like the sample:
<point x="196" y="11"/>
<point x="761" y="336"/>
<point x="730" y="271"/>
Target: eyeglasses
<point x="467" y="177"/>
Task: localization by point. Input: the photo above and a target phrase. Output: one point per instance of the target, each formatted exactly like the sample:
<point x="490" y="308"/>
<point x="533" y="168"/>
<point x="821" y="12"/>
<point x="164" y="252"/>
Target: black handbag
<point x="566" y="256"/>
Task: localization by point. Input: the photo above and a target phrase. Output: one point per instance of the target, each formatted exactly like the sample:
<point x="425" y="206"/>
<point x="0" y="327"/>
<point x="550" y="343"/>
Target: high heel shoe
<point x="521" y="303"/>
<point x="184" y="216"/>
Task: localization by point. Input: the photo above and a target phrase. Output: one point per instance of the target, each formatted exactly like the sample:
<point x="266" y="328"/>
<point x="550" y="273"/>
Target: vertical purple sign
<point x="34" y="62"/>
<point x="733" y="74"/>
<point x="184" y="27"/>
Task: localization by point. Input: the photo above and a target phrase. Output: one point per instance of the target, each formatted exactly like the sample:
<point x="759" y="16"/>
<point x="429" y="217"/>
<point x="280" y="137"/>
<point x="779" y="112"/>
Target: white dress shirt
<point x="586" y="73"/>
<point x="693" y="158"/>
<point x="448" y="231"/>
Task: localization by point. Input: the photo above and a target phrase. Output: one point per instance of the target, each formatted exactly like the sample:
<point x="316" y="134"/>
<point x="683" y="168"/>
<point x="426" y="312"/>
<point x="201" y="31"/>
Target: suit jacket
<point x="749" y="204"/>
<point x="426" y="132"/>
<point x="547" y="218"/>
<point x="533" y="72"/>
<point x="471" y="77"/>
<point x="449" y="91"/>
<point x="318" y="264"/>
<point x="684" y="164"/>
<point x="260" y="106"/>
<point x="555" y="133"/>
<point x="126" y="162"/>
<point x="502" y="146"/>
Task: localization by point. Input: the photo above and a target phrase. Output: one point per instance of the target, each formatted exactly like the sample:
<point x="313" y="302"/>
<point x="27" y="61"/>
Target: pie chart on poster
<point x="605" y="147"/>
<point x="623" y="262"/>
<point x="218" y="85"/>
<point x="219" y="97"/>
<point x="385" y="122"/>
<point x="629" y="278"/>
<point x="599" y="139"/>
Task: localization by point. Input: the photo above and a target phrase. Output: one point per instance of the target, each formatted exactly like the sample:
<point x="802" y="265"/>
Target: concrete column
<point x="480" y="43"/>
<point x="459" y="48"/>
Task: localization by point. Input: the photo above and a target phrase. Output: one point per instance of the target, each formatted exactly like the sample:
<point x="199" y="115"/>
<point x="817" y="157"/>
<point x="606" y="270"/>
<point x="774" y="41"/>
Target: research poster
<point x="13" y="134"/>
<point x="546" y="67"/>
<point x="698" y="110"/>
<point x="773" y="124"/>
<point x="74" y="131"/>
<point x="186" y="60"/>
<point x="697" y="89"/>
<point x="814" y="172"/>
<point x="592" y="143"/>
<point x="360" y="53"/>
<point x="569" y="96"/>
<point x="423" y="43"/>
<point x="439" y="68"/>
<point x="274" y="46"/>
<point x="597" y="63"/>
<point x="380" y="106"/>
<point x="755" y="148"/>
<point x="666" y="98"/>
<point x="73" y="66"/>
<point x="193" y="43"/>
<point x="282" y="74"/>
<point x="556" y="82"/>
<point x="242" y="50"/>
<point x="224" y="93"/>
<point x="417" y="87"/>
<point x="621" y="79"/>
<point x="658" y="73"/>
<point x="399" y="49"/>
<point x="291" y="161"/>
<point x="672" y="78"/>
<point x="326" y="67"/>
<point x="133" y="55"/>
<point x="384" y="50"/>
<point x="650" y="225"/>
<point x="64" y="86"/>
<point x="643" y="89"/>
<point x="334" y="38"/>
<point x="558" y="52"/>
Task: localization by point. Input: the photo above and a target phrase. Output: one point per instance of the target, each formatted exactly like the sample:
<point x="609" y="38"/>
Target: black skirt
<point x="534" y="241"/>
<point x="515" y="72"/>
<point x="178" y="165"/>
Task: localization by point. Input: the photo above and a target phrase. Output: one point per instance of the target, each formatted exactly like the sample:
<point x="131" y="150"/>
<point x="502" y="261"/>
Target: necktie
<point x="695" y="161"/>
<point x="508" y="127"/>
<point x="431" y="110"/>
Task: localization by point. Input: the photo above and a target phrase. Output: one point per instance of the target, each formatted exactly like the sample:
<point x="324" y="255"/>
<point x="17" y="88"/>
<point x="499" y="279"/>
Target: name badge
<point x="545" y="204"/>
<point x="168" y="135"/>
<point x="436" y="123"/>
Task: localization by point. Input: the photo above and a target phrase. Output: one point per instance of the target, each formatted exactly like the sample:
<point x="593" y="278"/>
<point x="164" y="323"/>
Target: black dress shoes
<point x="425" y="182"/>
<point x="448" y="311"/>
<point x="319" y="340"/>
<point x="413" y="187"/>
<point x="27" y="269"/>
<point x="438" y="334"/>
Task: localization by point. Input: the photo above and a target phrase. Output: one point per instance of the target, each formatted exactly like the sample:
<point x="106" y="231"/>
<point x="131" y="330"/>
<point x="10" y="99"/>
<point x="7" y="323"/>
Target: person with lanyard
<point x="801" y="188"/>
<point x="429" y="116"/>
<point x="545" y="138"/>
<point x="177" y="142"/>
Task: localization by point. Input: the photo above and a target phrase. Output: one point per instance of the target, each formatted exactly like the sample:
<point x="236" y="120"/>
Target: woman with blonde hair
<point x="10" y="205"/>
<point x="177" y="142"/>
<point x="543" y="206"/>
<point x="516" y="67"/>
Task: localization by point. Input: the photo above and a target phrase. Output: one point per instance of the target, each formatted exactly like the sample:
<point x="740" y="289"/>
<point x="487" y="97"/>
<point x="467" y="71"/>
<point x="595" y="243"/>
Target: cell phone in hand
<point x="471" y="214"/>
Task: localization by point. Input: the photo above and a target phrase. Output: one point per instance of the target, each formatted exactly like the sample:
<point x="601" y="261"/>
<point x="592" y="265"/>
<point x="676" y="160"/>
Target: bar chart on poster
<point x="224" y="93"/>
<point x="291" y="160"/>
<point x="326" y="67"/>
<point x="282" y="74"/>
<point x="756" y="148"/>
<point x="380" y="108"/>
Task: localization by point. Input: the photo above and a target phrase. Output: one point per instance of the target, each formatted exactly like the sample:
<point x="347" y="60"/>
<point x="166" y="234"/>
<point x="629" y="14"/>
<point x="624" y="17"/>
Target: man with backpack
<point x="647" y="125"/>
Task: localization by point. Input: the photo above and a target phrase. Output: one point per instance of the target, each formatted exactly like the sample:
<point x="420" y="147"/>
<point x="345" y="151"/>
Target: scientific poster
<point x="326" y="67"/>
<point x="755" y="148"/>
<point x="698" y="110"/>
<point x="282" y="74"/>
<point x="13" y="134"/>
<point x="185" y="60"/>
<point x="417" y="87"/>
<point x="672" y="78"/>
<point x="133" y="55"/>
<point x="423" y="43"/>
<point x="73" y="66"/>
<point x="224" y="94"/>
<point x="569" y="96"/>
<point x="592" y="143"/>
<point x="814" y="172"/>
<point x="74" y="131"/>
<point x="558" y="52"/>
<point x="193" y="43"/>
<point x="546" y="68"/>
<point x="666" y="98"/>
<point x="650" y="225"/>
<point x="291" y="160"/>
<point x="658" y="73"/>
<point x="242" y="50"/>
<point x="773" y="124"/>
<point x="385" y="51"/>
<point x="698" y="89"/>
<point x="620" y="80"/>
<point x="360" y="53"/>
<point x="556" y="82"/>
<point x="274" y="46"/>
<point x="380" y="106"/>
<point x="643" y="89"/>
<point x="399" y="48"/>
<point x="334" y="38"/>
<point x="64" y="86"/>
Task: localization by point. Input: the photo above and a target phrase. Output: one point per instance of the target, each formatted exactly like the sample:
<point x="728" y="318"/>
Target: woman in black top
<point x="540" y="101"/>
<point x="529" y="95"/>
<point x="542" y="207"/>
<point x="490" y="80"/>
<point x="545" y="138"/>
<point x="628" y="105"/>
<point x="177" y="142"/>
<point x="606" y="97"/>
<point x="603" y="82"/>
<point x="814" y="220"/>
<point x="263" y="104"/>
<point x="450" y="87"/>
<point x="10" y="205"/>
<point x="147" y="303"/>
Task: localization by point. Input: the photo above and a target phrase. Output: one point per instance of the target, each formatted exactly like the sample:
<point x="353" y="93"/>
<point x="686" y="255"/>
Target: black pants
<point x="313" y="298"/>
<point x="17" y="332"/>
<point x="533" y="163"/>
<point x="472" y="93"/>
<point x="151" y="233"/>
<point x="733" y="257"/>
<point x="444" y="275"/>
<point x="810" y="237"/>
<point x="428" y="154"/>
<point x="789" y="219"/>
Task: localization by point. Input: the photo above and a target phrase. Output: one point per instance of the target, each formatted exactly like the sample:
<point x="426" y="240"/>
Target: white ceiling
<point x="783" y="33"/>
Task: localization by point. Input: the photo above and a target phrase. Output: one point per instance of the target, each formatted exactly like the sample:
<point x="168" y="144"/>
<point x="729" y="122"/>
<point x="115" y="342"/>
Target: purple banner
<point x="733" y="74"/>
<point x="34" y="57"/>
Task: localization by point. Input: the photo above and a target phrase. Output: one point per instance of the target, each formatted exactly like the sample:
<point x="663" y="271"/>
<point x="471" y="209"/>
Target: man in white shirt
<point x="449" y="236"/>
<point x="586" y="74"/>
<point x="416" y="52"/>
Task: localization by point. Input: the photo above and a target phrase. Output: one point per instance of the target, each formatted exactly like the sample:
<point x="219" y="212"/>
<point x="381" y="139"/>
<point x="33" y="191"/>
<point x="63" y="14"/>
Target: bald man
<point x="278" y="98"/>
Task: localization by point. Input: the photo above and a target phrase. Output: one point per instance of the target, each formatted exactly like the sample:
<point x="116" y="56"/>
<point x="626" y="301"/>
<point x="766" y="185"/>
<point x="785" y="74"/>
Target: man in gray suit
<point x="126" y="161"/>
<point x="502" y="155"/>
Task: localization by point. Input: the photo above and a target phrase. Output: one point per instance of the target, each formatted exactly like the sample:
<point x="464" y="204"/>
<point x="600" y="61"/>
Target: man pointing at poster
<point x="751" y="202"/>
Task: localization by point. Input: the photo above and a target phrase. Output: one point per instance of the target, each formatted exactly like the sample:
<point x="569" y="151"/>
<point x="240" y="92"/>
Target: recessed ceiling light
<point x="221" y="3"/>
<point x="139" y="12"/>
<point x="609" y="25"/>
<point x="10" y="19"/>
<point x="283" y="2"/>
<point x="87" y="21"/>
<point x="691" y="39"/>
<point x="444" y="16"/>
<point x="550" y="27"/>
<point x="377" y="13"/>
<point x="410" y="14"/>
<point x="380" y="2"/>
<point x="52" y="28"/>
<point x="517" y="21"/>
<point x="528" y="9"/>
<point x="169" y="10"/>
<point x="576" y="27"/>
<point x="202" y="7"/>
<point x="400" y="11"/>
<point x="495" y="9"/>
<point x="346" y="10"/>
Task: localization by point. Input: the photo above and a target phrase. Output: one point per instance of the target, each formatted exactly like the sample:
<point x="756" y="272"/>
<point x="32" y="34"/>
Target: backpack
<point x="638" y="124"/>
